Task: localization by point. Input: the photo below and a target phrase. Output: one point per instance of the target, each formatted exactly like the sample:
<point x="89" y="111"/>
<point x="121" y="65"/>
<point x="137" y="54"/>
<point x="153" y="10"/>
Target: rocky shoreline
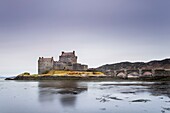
<point x="60" y="78"/>
<point x="102" y="78"/>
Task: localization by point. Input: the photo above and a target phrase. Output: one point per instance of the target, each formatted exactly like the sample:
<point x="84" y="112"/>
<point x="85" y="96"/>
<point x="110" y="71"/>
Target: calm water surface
<point x="84" y="97"/>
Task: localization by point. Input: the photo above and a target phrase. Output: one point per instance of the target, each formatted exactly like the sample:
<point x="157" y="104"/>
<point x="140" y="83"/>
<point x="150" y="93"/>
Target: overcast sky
<point x="100" y="31"/>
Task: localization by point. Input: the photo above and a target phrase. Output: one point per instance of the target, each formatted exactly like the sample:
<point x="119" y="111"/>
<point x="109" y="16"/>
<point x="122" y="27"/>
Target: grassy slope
<point x="66" y="73"/>
<point x="74" y="73"/>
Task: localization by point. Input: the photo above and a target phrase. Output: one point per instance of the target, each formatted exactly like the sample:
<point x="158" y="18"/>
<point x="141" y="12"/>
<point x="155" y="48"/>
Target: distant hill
<point x="155" y="64"/>
<point x="2" y="77"/>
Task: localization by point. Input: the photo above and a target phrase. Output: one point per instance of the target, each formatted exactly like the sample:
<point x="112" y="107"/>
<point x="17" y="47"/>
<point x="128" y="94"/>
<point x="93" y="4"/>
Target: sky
<point x="100" y="31"/>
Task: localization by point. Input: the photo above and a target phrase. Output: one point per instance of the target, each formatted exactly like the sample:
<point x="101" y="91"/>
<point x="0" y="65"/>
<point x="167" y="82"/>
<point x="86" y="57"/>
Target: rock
<point x="115" y="98"/>
<point x="103" y="109"/>
<point x="167" y="109"/>
<point x="128" y="92"/>
<point x="9" y="79"/>
<point x="141" y="100"/>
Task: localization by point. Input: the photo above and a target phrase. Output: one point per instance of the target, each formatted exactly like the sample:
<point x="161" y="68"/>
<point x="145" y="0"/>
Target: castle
<point x="67" y="61"/>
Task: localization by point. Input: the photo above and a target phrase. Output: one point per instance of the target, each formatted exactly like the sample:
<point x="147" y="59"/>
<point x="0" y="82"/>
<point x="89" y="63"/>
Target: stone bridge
<point x="140" y="72"/>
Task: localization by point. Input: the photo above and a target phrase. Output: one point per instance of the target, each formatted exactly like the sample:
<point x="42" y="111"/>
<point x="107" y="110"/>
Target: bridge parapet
<point x="141" y="72"/>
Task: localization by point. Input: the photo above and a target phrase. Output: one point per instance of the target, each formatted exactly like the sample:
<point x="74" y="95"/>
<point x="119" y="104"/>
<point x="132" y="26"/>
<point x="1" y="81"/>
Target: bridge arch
<point x="147" y="73"/>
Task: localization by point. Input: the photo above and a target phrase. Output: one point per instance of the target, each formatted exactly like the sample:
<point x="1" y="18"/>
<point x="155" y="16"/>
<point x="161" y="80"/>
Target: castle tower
<point x="68" y="57"/>
<point x="45" y="65"/>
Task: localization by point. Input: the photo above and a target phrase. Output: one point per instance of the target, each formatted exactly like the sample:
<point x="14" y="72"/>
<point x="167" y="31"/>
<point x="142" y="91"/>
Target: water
<point x="84" y="97"/>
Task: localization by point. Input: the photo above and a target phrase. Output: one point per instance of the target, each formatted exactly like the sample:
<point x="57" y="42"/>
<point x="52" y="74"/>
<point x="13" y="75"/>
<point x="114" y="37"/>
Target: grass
<point x="65" y="73"/>
<point x="35" y="75"/>
<point x="73" y="73"/>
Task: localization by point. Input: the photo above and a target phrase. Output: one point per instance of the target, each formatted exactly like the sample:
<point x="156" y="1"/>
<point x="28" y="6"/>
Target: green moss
<point x="35" y="75"/>
<point x="26" y="73"/>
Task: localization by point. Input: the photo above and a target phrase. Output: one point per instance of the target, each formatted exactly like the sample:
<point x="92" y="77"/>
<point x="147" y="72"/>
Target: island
<point x="67" y="67"/>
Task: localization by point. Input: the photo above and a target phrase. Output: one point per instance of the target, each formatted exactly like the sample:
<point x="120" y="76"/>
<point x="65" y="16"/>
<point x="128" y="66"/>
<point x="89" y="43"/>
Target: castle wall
<point x="79" y="67"/>
<point x="45" y="64"/>
<point x="67" y="61"/>
<point x="59" y="66"/>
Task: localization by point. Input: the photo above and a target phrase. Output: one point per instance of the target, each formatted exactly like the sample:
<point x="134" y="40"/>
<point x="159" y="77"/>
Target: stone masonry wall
<point x="67" y="61"/>
<point x="45" y="64"/>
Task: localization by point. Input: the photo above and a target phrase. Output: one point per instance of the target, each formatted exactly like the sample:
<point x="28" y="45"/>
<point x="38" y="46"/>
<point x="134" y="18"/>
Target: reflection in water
<point x="68" y="100"/>
<point x="160" y="89"/>
<point x="65" y="90"/>
<point x="155" y="88"/>
<point x="73" y="97"/>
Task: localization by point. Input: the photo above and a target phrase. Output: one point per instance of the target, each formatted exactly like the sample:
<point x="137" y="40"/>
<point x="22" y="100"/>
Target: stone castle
<point x="67" y="61"/>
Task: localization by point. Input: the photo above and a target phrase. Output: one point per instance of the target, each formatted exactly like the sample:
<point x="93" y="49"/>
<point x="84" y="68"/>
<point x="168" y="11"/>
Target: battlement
<point x="68" y="53"/>
<point x="67" y="61"/>
<point x="42" y="59"/>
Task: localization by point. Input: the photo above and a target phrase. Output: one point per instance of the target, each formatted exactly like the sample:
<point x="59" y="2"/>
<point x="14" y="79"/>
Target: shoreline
<point x="100" y="78"/>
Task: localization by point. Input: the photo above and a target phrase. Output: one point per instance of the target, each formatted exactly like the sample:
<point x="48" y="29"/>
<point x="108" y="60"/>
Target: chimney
<point x="74" y="52"/>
